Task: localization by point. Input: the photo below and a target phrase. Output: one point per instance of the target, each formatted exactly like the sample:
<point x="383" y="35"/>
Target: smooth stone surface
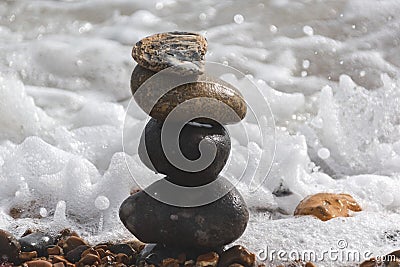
<point x="152" y="154"/>
<point x="326" y="206"/>
<point x="75" y="254"/>
<point x="163" y="50"/>
<point x="9" y="247"/>
<point x="38" y="242"/>
<point x="210" y="96"/>
<point x="73" y="242"/>
<point x="209" y="226"/>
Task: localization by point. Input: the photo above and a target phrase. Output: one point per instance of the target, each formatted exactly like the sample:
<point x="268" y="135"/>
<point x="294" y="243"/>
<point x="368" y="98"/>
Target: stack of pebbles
<point x="164" y="213"/>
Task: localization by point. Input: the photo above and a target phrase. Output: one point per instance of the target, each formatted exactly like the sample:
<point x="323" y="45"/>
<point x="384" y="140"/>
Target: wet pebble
<point x="210" y="259"/>
<point x="37" y="241"/>
<point x="237" y="254"/>
<point x="73" y="242"/>
<point x="54" y="250"/>
<point x="89" y="259"/>
<point x="75" y="254"/>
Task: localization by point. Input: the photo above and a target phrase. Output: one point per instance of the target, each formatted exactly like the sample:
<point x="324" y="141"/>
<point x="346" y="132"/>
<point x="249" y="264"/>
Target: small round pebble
<point x="163" y="50"/>
<point x="72" y="243"/>
<point x="75" y="254"/>
<point x="36" y="242"/>
<point x="237" y="254"/>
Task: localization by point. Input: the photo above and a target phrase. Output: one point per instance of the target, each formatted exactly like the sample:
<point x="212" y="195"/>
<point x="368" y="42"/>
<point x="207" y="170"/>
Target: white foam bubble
<point x="324" y="153"/>
<point x="102" y="203"/>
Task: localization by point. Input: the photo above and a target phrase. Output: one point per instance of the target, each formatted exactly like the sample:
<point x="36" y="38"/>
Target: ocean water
<point x="328" y="69"/>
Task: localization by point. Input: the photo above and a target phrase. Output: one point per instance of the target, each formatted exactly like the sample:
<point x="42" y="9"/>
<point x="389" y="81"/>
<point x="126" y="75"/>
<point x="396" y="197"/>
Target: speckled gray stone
<point x="163" y="50"/>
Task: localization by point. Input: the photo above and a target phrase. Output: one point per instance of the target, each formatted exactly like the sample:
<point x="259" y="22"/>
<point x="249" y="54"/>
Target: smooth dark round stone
<point x="152" y="154"/>
<point x="212" y="97"/>
<point x="75" y="254"/>
<point x="163" y="50"/>
<point x="209" y="226"/>
<point x="9" y="247"/>
<point x="36" y="242"/>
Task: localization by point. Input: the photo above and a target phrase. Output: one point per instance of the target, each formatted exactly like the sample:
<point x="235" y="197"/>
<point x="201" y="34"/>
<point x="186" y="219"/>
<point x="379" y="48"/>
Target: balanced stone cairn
<point x="207" y="227"/>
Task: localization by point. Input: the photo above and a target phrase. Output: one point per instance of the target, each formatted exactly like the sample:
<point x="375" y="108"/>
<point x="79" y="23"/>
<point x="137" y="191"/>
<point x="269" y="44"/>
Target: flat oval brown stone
<point x="163" y="50"/>
<point x="213" y="98"/>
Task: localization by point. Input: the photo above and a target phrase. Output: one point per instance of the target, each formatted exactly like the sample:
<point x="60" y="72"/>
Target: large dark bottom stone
<point x="152" y="154"/>
<point x="209" y="226"/>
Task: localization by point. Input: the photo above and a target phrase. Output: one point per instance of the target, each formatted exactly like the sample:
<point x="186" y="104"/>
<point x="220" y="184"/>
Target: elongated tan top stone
<point x="163" y="50"/>
<point x="326" y="206"/>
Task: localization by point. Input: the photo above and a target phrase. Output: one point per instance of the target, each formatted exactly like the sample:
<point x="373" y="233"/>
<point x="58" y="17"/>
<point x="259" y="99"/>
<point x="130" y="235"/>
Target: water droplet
<point x="304" y="73"/>
<point x="308" y="30"/>
<point x="324" y="153"/>
<point x="353" y="26"/>
<point x="102" y="203"/>
<point x="203" y="16"/>
<point x="273" y="28"/>
<point x="362" y="73"/>
<point x="159" y="6"/>
<point x="317" y="122"/>
<point x="306" y="64"/>
<point x="238" y="18"/>
<point x="43" y="212"/>
<point x="59" y="213"/>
